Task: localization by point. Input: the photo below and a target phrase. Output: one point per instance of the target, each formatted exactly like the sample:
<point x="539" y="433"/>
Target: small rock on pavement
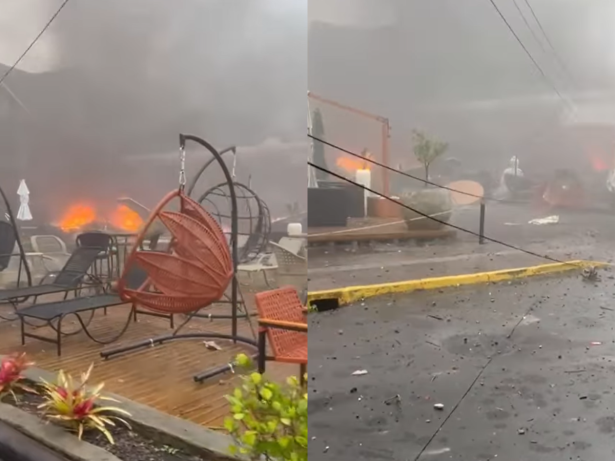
<point x="439" y="406"/>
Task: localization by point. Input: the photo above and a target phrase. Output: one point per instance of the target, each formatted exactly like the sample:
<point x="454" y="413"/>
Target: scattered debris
<point x="433" y="344"/>
<point x="590" y="273"/>
<point x="543" y="221"/>
<point x="354" y="390"/>
<point x="395" y="399"/>
<point x="596" y="343"/>
<point x="439" y="451"/>
<point x="583" y="397"/>
<point x="326" y="449"/>
<point x="575" y="371"/>
<point x="359" y="372"/>
<point x="521" y="431"/>
<point x="439" y="406"/>
<point x="211" y="345"/>
<point x="437" y="317"/>
<point x="606" y="308"/>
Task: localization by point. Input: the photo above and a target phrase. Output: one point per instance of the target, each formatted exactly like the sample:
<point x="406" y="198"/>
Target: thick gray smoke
<point x="454" y="69"/>
<point x="130" y="76"/>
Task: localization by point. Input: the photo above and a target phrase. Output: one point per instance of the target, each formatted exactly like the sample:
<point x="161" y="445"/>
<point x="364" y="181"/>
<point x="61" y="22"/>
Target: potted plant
<point x="430" y="201"/>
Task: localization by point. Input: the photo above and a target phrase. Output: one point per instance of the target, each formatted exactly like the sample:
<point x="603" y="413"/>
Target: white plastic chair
<point x="265" y="262"/>
<point x="291" y="267"/>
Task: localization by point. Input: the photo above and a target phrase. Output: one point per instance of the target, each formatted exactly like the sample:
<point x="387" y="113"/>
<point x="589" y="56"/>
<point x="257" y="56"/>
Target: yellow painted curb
<point x="348" y="295"/>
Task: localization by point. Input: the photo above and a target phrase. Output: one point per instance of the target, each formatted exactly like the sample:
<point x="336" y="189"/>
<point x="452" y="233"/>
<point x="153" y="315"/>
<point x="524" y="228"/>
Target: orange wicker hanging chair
<point x="195" y="269"/>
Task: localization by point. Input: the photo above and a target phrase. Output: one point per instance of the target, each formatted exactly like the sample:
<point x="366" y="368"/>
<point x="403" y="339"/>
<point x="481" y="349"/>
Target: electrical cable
<point x="566" y="103"/>
<point x="417" y="178"/>
<point x="527" y="23"/>
<point x="40" y="34"/>
<point x="555" y="53"/>
<point x="439" y="221"/>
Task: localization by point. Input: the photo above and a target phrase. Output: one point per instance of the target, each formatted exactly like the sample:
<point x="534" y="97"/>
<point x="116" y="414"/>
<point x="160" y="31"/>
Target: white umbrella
<point x="24" y="213"/>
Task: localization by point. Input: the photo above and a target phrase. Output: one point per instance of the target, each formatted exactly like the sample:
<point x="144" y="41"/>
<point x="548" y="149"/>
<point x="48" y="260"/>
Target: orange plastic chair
<point x="282" y="321"/>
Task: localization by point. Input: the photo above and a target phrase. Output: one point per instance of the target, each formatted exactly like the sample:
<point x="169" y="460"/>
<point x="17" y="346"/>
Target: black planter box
<point x="331" y="204"/>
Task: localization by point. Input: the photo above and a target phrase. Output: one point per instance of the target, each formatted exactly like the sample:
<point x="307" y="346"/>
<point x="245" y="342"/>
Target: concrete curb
<point x="348" y="295"/>
<point x="165" y="429"/>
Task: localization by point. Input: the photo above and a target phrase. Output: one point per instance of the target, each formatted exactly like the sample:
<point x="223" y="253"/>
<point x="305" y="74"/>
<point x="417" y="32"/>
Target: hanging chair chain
<point x="182" y="168"/>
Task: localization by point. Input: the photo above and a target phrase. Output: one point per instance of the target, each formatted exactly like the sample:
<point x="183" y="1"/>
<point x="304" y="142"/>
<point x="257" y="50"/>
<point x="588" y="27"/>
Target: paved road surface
<point x="513" y="365"/>
<point x="577" y="236"/>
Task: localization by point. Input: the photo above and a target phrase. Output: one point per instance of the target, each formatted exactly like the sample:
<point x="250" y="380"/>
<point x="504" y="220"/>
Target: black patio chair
<point x="67" y="279"/>
<point x="104" y="265"/>
<point x="56" y="311"/>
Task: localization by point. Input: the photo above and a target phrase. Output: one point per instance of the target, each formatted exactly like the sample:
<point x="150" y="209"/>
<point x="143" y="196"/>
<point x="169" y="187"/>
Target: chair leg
<point x="23" y="331"/>
<point x="262" y="351"/>
<point x="266" y="279"/>
<point x="59" y="336"/>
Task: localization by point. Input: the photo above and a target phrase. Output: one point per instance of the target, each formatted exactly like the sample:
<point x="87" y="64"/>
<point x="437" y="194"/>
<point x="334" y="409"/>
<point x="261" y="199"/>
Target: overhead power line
<point x="40" y="34"/>
<point x="527" y="23"/>
<point x="542" y="73"/>
<point x="559" y="60"/>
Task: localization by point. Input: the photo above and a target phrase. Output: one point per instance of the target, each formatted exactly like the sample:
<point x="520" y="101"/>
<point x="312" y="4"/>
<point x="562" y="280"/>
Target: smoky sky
<point x="132" y="75"/>
<point x="454" y="69"/>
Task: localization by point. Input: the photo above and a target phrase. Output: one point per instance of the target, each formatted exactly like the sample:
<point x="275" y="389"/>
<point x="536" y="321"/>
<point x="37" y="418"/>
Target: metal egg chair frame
<point x="258" y="234"/>
<point x="234" y="285"/>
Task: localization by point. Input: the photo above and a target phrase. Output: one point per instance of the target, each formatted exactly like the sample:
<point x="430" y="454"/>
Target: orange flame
<point x="352" y="164"/>
<point x="77" y="217"/>
<point x="80" y="215"/>
<point x="125" y="218"/>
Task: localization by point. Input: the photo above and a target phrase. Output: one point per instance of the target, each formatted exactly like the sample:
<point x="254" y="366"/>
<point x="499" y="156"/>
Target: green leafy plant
<point x="12" y="368"/>
<point x="269" y="421"/>
<point x="74" y="405"/>
<point x="427" y="150"/>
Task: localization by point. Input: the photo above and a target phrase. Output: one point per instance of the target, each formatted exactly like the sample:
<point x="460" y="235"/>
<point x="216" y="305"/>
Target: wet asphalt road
<point x="513" y="365"/>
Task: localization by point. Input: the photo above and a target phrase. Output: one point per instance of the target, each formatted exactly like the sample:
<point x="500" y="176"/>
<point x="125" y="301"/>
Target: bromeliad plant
<point x="12" y="369"/>
<point x="74" y="405"/>
<point x="268" y="421"/>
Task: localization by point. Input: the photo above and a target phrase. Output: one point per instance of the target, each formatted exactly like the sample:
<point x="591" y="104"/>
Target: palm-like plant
<point x="427" y="150"/>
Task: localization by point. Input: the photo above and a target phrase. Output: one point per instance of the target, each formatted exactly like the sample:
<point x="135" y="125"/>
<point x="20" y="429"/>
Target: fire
<point x="78" y="216"/>
<point x="352" y="164"/>
<point x="125" y="218"/>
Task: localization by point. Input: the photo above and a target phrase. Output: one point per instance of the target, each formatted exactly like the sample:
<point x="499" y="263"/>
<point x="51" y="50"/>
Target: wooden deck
<point x="160" y="376"/>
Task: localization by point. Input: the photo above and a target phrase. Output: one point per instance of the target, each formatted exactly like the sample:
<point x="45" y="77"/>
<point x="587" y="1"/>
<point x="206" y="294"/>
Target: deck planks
<point x="160" y="376"/>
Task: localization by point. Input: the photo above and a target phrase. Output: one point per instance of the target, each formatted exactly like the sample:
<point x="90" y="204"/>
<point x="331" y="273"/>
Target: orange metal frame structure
<point x="386" y="133"/>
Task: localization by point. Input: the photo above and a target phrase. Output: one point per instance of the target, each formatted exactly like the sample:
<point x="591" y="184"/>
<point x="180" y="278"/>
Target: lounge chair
<point x="56" y="311"/>
<point x="67" y="279"/>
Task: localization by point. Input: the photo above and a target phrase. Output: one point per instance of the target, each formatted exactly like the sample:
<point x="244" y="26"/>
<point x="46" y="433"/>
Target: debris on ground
<point x="395" y="399"/>
<point x="439" y="406"/>
<point x="211" y="345"/>
<point x="590" y="274"/>
<point x="543" y="221"/>
<point x="359" y="372"/>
